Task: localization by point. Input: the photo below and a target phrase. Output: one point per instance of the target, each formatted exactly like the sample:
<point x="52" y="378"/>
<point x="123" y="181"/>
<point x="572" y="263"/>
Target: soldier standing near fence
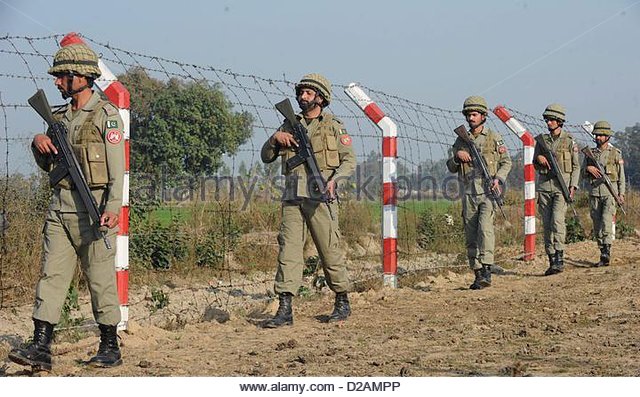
<point x="478" y="210"/>
<point x="602" y="204"/>
<point x="551" y="202"/>
<point x="336" y="160"/>
<point x="95" y="132"/>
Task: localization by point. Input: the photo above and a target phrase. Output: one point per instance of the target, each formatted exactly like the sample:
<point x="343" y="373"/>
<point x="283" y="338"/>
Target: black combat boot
<point x="109" y="351"/>
<point x="559" y="261"/>
<point x="553" y="267"/>
<point x="341" y="308"/>
<point x="605" y="255"/>
<point x="480" y="281"/>
<point x="36" y="354"/>
<point x="486" y="273"/>
<point x="284" y="315"/>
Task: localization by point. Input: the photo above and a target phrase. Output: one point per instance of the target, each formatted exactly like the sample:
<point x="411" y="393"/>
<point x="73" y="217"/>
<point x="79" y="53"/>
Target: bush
<point x="575" y="230"/>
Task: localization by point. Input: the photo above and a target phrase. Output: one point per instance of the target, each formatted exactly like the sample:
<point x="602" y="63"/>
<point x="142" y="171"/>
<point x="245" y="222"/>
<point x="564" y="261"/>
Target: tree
<point x="181" y="127"/>
<point x="629" y="143"/>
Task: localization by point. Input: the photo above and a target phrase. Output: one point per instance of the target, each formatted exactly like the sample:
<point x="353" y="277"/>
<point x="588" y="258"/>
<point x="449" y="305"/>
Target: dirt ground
<point x="583" y="322"/>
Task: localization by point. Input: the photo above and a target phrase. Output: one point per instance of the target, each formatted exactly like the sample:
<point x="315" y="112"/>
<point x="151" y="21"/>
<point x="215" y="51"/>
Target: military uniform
<point x="478" y="210"/>
<point x="95" y="133"/>
<point x="601" y="203"/>
<point x="301" y="208"/>
<point x="551" y="203"/>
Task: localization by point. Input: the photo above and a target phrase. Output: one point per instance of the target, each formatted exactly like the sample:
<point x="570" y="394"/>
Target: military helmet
<point x="602" y="128"/>
<point x="475" y="104"/>
<point x="76" y="58"/>
<point x="555" y="111"/>
<point x="317" y="82"/>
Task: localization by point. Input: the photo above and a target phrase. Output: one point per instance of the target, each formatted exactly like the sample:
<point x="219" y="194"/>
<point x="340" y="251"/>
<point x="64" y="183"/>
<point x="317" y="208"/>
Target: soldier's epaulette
<point x="110" y="109"/>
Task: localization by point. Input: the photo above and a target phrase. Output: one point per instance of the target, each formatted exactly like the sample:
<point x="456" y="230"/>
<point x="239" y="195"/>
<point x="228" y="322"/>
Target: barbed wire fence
<point x="428" y="209"/>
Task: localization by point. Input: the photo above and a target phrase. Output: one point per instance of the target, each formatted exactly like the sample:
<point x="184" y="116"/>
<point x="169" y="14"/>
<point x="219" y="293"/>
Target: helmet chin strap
<point x="69" y="92"/>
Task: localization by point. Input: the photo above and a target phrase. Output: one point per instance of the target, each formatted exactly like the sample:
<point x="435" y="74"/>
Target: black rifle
<point x="555" y="170"/>
<point x="305" y="155"/>
<point x="604" y="178"/>
<point x="65" y="162"/>
<point x="479" y="164"/>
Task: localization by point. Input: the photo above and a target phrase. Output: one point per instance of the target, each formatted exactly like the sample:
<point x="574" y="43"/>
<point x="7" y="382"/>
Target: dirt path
<point x="583" y="322"/>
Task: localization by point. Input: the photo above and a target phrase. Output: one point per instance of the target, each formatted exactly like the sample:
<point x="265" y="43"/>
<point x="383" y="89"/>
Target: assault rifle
<point x="479" y="164"/>
<point x="65" y="162"/>
<point x="555" y="171"/>
<point x="604" y="178"/>
<point x="305" y="155"/>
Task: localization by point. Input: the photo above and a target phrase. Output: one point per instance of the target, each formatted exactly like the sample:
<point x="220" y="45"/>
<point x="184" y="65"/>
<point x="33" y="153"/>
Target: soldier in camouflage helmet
<point x="551" y="202"/>
<point x="601" y="203"/>
<point x="478" y="209"/>
<point x="300" y="210"/>
<point x="96" y="135"/>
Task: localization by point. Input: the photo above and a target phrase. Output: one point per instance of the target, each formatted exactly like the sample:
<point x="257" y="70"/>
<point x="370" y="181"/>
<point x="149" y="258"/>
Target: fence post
<point x="529" y="180"/>
<point x="389" y="182"/>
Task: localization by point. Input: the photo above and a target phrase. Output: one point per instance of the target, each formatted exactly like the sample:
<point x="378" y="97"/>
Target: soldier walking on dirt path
<point x="602" y="203"/>
<point x="551" y="201"/>
<point x="95" y="133"/>
<point x="478" y="209"/>
<point x="301" y="208"/>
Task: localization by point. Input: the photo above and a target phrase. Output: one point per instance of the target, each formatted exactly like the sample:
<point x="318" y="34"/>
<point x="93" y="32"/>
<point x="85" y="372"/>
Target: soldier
<point x="601" y="203"/>
<point x="478" y="210"/>
<point x="337" y="161"/>
<point x="95" y="132"/>
<point x="551" y="202"/>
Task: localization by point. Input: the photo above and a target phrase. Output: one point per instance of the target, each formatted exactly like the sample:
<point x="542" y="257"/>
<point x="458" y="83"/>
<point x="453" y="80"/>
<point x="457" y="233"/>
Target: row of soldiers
<point x="478" y="202"/>
<point x="95" y="130"/>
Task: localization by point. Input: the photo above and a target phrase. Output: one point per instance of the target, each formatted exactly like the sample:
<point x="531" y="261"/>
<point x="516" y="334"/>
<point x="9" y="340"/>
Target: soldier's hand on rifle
<point x="543" y="161"/>
<point x="463" y="156"/>
<point x="593" y="170"/>
<point x="495" y="186"/>
<point x="44" y="144"/>
<point x="621" y="198"/>
<point x="109" y="219"/>
<point x="283" y="139"/>
<point x="572" y="191"/>
<point x="331" y="189"/>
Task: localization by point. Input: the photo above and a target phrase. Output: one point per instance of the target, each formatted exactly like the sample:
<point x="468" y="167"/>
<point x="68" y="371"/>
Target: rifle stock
<point x="479" y="163"/>
<point x="66" y="163"/>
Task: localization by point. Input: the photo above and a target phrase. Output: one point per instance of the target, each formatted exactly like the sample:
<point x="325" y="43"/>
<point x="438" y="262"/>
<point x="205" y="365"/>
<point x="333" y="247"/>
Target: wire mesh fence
<point x="224" y="224"/>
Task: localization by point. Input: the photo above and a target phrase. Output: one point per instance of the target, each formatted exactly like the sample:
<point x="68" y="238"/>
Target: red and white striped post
<point x="529" y="180"/>
<point x="389" y="182"/>
<point x="119" y="96"/>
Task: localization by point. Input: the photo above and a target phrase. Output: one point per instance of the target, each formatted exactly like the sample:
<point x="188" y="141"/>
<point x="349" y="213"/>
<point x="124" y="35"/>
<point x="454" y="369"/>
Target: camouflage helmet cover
<point x="555" y="111"/>
<point x="602" y="128"/>
<point x="76" y="58"/>
<point x="317" y="82"/>
<point x="475" y="104"/>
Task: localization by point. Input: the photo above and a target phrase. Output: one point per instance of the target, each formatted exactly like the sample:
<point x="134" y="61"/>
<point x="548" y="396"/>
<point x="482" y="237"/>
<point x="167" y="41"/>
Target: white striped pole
<point x="529" y="180"/>
<point x="389" y="182"/>
<point x="119" y="96"/>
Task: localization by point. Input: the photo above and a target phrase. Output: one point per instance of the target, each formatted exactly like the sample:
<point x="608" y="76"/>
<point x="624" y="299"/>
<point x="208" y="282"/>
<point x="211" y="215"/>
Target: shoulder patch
<point x="345" y="140"/>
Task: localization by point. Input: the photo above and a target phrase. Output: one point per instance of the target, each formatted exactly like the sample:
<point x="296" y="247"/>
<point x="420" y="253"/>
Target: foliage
<point x="156" y="245"/>
<point x="159" y="299"/>
<point x="575" y="230"/>
<point x="624" y="229"/>
<point x="629" y="143"/>
<point x="181" y="128"/>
